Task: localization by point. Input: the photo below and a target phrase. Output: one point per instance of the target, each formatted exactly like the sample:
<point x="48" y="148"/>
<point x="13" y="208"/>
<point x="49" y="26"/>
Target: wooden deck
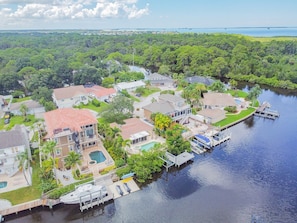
<point x="22" y="207"/>
<point x="265" y="112"/>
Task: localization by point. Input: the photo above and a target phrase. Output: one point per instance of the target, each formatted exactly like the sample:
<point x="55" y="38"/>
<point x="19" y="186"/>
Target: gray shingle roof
<point x="200" y="79"/>
<point x="162" y="107"/>
<point x="16" y="137"/>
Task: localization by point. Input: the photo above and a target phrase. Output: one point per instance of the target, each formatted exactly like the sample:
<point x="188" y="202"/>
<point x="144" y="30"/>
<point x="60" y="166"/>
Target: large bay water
<point x="254" y="174"/>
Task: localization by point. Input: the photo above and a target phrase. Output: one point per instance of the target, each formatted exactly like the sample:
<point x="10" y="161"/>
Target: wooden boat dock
<point x="172" y="160"/>
<point x="265" y="111"/>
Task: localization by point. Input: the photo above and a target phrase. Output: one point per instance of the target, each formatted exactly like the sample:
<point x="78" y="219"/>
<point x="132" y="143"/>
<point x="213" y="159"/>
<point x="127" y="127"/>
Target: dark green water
<point x="255" y="174"/>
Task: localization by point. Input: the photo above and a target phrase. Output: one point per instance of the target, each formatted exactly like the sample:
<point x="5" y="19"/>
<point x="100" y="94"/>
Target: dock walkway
<point x="265" y="111"/>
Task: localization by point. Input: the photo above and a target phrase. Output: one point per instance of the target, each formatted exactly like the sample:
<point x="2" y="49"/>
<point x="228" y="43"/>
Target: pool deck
<point x="15" y="182"/>
<point x="96" y="167"/>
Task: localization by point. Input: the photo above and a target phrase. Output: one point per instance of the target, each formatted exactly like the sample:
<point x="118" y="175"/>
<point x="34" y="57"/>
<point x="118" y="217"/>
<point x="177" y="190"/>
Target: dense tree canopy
<point x="32" y="60"/>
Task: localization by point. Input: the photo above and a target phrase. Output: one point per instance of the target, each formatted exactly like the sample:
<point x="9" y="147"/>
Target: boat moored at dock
<point x="84" y="193"/>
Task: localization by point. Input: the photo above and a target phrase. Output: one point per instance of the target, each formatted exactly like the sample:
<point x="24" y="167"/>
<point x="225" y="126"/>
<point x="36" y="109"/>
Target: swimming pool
<point x="148" y="146"/>
<point x="237" y="101"/>
<point x="3" y="184"/>
<point x="98" y="156"/>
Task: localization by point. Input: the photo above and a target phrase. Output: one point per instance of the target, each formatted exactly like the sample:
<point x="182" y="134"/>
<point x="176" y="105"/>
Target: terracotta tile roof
<point x="64" y="118"/>
<point x="100" y="91"/>
<point x="132" y="126"/>
<point x="218" y="99"/>
<point x="69" y="92"/>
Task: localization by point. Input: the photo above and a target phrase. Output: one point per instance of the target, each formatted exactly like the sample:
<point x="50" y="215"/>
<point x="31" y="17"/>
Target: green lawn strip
<point x="25" y="194"/>
<point x="15" y="100"/>
<point x="17" y="120"/>
<point x="149" y="91"/>
<point x="237" y="93"/>
<point x="90" y="106"/>
<point x="234" y="118"/>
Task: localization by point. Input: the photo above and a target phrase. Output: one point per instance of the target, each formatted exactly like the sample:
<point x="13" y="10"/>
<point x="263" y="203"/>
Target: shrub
<point x="95" y="102"/>
<point x="168" y="92"/>
<point x="122" y="171"/>
<point x="231" y="109"/>
<point x="120" y="162"/>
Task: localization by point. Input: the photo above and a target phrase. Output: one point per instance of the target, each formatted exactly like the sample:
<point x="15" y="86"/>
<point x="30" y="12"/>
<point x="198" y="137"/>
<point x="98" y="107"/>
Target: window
<point x="70" y="138"/>
<point x="55" y="140"/>
<point x="71" y="147"/>
<point x="58" y="152"/>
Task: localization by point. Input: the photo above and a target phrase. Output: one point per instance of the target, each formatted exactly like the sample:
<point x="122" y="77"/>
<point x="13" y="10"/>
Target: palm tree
<point x="24" y="110"/>
<point x="48" y="149"/>
<point x="72" y="160"/>
<point x="24" y="164"/>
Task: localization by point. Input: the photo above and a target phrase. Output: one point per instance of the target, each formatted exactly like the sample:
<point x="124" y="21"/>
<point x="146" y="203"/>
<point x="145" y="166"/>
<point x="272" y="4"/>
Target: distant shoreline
<point x="247" y="31"/>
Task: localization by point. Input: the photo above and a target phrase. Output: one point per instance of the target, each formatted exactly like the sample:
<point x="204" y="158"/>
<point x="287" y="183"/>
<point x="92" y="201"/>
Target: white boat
<point x="84" y="193"/>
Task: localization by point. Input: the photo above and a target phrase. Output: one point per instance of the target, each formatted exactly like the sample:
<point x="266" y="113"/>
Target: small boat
<point x="119" y="190"/>
<point x="84" y="193"/>
<point x="127" y="188"/>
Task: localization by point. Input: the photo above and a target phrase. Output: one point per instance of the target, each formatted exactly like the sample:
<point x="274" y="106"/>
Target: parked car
<point x="106" y="100"/>
<point x="7" y="115"/>
<point x="6" y="121"/>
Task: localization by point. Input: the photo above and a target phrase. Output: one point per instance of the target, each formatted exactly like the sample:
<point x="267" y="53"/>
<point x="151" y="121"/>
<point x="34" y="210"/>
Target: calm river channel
<point x="254" y="174"/>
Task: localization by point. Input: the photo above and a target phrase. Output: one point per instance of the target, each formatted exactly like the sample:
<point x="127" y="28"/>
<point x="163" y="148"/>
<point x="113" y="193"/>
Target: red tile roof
<point x="132" y="126"/>
<point x="68" y="118"/>
<point x="100" y="91"/>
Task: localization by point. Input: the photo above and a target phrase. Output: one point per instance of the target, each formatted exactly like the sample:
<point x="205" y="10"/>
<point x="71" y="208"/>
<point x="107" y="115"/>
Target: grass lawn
<point x="15" y="100"/>
<point x="26" y="193"/>
<point x="17" y="120"/>
<point x="150" y="90"/>
<point x="90" y="106"/>
<point x="237" y="93"/>
<point x="233" y="118"/>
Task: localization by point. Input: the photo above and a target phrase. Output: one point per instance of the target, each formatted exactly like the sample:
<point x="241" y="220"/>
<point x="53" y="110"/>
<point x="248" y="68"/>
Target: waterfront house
<point x="34" y="108"/>
<point x="72" y="130"/>
<point x="214" y="100"/>
<point x="129" y="86"/>
<point x="12" y="144"/>
<point x="135" y="130"/>
<point x="211" y="116"/>
<point x="199" y="79"/>
<point x="100" y="93"/>
<point x="171" y="105"/>
<point x="67" y="97"/>
<point x="156" y="79"/>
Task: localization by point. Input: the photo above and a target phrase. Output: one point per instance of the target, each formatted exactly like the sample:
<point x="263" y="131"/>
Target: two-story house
<point x="67" y="97"/>
<point x="72" y="130"/>
<point x="12" y="144"/>
<point x="171" y="105"/>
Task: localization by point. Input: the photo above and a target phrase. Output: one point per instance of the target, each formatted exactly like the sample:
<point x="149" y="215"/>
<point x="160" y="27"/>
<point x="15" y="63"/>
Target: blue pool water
<point x="3" y="184"/>
<point x="148" y="146"/>
<point x="238" y="101"/>
<point x="98" y="156"/>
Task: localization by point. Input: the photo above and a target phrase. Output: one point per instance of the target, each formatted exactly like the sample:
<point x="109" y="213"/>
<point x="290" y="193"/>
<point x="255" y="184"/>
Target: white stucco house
<point x="13" y="143"/>
<point x="67" y="97"/>
<point x="129" y="86"/>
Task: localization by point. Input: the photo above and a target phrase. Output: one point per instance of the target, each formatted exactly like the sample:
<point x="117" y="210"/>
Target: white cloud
<point x="72" y="9"/>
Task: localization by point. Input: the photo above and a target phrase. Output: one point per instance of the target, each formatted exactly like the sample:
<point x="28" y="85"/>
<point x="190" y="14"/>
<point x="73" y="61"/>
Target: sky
<point x="113" y="14"/>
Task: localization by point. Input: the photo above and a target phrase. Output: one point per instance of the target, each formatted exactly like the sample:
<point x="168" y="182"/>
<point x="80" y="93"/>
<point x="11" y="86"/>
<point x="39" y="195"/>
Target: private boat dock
<point x="200" y="143"/>
<point x="96" y="201"/>
<point x="172" y="160"/>
<point x="265" y="111"/>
